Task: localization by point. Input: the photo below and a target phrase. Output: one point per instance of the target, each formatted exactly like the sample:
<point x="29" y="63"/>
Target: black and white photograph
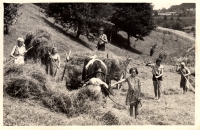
<point x="99" y="63"/>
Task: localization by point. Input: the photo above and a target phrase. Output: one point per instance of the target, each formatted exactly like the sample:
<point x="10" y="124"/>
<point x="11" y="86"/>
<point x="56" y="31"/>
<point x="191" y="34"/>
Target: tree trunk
<point x="129" y="43"/>
<point x="78" y="31"/>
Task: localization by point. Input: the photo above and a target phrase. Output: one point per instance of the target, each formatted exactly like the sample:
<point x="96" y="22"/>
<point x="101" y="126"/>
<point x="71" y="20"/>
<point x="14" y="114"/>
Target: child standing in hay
<point x="133" y="97"/>
<point x="185" y="72"/>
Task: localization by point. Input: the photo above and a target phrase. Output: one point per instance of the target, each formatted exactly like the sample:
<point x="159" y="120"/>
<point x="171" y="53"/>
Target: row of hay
<point x="25" y="82"/>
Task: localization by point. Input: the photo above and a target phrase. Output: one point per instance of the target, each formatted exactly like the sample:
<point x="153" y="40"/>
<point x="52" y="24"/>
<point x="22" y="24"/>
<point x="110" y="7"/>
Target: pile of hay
<point x="24" y="81"/>
<point x="171" y="91"/>
<point x="86" y="102"/>
<point x="73" y="77"/>
<point x="13" y="70"/>
<point x="58" y="102"/>
<point x="24" y="87"/>
<point x="41" y="42"/>
<point x="109" y="118"/>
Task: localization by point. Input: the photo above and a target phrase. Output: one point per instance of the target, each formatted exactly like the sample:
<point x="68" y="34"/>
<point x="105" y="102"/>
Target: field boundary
<point x="176" y="33"/>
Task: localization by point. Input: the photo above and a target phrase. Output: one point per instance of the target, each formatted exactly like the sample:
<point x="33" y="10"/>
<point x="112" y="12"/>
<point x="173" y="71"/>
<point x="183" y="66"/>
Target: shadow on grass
<point x="121" y="42"/>
<point x="67" y="34"/>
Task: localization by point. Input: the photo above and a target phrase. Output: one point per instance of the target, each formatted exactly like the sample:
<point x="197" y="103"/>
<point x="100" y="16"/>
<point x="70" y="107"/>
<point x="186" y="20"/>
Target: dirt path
<point x="179" y="33"/>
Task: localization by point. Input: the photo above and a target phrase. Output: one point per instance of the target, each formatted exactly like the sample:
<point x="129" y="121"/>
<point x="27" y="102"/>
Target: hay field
<point x="37" y="110"/>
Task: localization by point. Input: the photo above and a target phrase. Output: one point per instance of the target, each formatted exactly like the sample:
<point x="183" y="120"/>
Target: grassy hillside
<point x="179" y="109"/>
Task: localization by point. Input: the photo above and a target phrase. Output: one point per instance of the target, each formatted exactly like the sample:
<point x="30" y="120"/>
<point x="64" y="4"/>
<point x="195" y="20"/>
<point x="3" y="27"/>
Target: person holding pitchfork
<point x="157" y="71"/>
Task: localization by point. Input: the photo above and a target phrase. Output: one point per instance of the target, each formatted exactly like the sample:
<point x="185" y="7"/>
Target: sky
<point x="160" y="5"/>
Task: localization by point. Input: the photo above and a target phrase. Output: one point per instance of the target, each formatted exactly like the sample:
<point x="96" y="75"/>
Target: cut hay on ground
<point x="24" y="87"/>
<point x="109" y="118"/>
<point x="171" y="91"/>
<point x="13" y="69"/>
<point x="58" y="102"/>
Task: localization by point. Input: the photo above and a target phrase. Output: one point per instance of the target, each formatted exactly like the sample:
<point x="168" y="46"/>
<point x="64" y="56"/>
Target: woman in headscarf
<point x="53" y="63"/>
<point x="134" y="90"/>
<point x="18" y="52"/>
<point x="185" y="72"/>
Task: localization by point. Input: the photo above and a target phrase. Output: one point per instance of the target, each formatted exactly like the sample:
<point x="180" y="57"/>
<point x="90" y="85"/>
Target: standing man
<point x="102" y="40"/>
<point x="185" y="72"/>
<point x="18" y="52"/>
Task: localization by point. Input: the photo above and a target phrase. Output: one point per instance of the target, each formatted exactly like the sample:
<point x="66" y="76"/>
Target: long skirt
<point x="51" y="69"/>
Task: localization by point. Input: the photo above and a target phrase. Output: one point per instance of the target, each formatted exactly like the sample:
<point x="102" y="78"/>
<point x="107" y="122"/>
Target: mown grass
<point x="179" y="109"/>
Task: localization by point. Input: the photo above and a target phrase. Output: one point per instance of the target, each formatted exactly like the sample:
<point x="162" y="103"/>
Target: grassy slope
<point x="179" y="108"/>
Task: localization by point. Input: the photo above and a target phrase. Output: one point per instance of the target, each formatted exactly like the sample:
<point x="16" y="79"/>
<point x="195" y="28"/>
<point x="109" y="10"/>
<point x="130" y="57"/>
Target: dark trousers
<point x="101" y="47"/>
<point x="157" y="88"/>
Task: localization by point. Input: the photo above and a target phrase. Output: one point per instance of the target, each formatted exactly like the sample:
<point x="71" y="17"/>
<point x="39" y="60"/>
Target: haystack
<point x="58" y="102"/>
<point x="41" y="42"/>
<point x="24" y="81"/>
<point x="24" y="87"/>
<point x="85" y="102"/>
<point x="73" y="76"/>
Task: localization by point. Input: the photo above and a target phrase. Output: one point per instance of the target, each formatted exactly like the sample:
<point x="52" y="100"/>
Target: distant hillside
<point x="182" y="6"/>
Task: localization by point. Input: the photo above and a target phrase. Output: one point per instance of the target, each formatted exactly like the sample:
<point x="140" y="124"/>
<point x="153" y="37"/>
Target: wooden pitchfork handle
<point x="186" y="79"/>
<point x="16" y="57"/>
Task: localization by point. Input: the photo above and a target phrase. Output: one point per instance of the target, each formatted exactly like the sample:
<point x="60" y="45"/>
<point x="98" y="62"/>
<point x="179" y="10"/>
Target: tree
<point x="178" y="18"/>
<point x="155" y="13"/>
<point x="10" y="15"/>
<point x="83" y="17"/>
<point x="136" y="19"/>
<point x="166" y="25"/>
<point x="177" y="26"/>
<point x="165" y="17"/>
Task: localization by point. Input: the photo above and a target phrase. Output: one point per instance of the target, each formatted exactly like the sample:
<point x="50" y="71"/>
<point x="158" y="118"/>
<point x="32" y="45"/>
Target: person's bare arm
<point x="177" y="69"/>
<point x="12" y="52"/>
<point x="187" y="71"/>
<point x="58" y="61"/>
<point x="160" y="74"/>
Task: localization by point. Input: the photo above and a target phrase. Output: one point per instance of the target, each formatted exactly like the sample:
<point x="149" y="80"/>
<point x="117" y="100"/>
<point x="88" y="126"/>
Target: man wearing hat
<point x="102" y="40"/>
<point x="185" y="72"/>
<point x="18" y="52"/>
